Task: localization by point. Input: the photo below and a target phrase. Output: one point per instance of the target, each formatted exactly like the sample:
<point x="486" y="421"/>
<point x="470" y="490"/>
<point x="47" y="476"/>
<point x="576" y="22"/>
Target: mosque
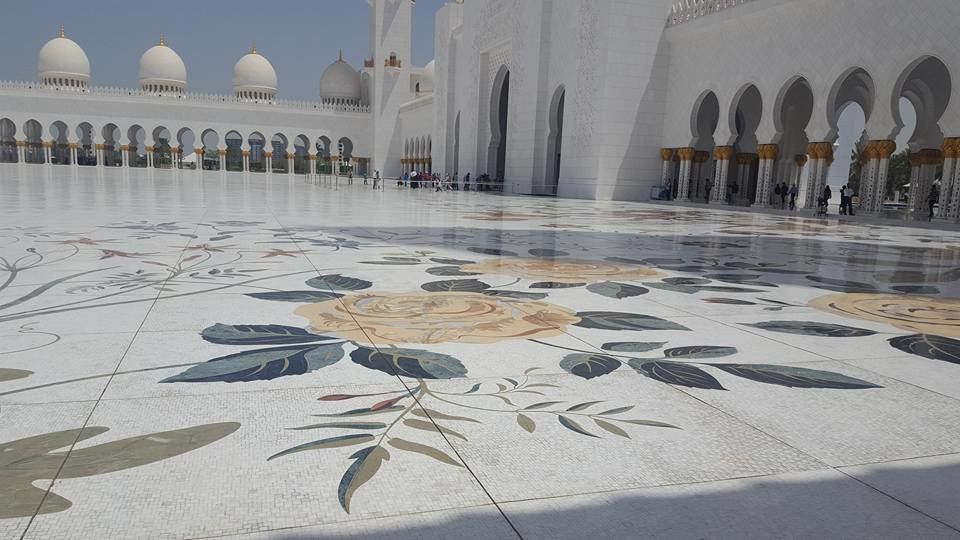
<point x="704" y="100"/>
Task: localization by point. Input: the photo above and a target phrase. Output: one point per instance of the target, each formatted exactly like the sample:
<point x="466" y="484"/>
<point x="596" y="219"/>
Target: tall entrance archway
<point x="499" y="116"/>
<point x="555" y="141"/>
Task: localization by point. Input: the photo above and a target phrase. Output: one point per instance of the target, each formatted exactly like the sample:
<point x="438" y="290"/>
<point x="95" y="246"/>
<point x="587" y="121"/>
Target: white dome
<point x="62" y="59"/>
<point x="162" y="69"/>
<point x="340" y="82"/>
<point x="429" y="70"/>
<point x="254" y="76"/>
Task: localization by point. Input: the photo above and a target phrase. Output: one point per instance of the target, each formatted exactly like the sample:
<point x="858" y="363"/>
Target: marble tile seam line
<point x="895" y="499"/>
<point x="898" y="460"/>
<point x="417" y="402"/>
<point x="93" y="409"/>
<point x="293" y="528"/>
<point x="899" y="380"/>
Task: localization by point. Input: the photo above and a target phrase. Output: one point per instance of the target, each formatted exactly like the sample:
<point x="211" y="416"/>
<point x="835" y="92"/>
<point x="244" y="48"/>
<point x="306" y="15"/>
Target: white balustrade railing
<point x="104" y="91"/>
<point x="688" y="10"/>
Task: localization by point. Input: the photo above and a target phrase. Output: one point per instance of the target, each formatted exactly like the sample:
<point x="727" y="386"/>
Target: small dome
<point x="63" y="62"/>
<point x="162" y="70"/>
<point x="254" y="77"/>
<point x="340" y="82"/>
<point x="427" y="77"/>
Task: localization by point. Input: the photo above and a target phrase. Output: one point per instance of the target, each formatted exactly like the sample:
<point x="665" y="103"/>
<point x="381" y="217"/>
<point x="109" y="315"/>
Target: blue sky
<point x="300" y="37"/>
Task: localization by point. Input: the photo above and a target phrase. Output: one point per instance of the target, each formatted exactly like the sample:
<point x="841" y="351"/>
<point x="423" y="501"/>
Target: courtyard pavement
<point x="188" y="355"/>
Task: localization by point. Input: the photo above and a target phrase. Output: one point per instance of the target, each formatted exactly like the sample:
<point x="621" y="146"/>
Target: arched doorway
<point x="256" y="161"/>
<point x="137" y="148"/>
<point x="794" y="111"/>
<point x="162" y="150"/>
<point x="324" y="165"/>
<point x="60" y="150"/>
<point x="555" y="141"/>
<point x="186" y="155"/>
<point x="703" y="124"/>
<point x="499" y="116"/>
<point x="86" y="151"/>
<point x="278" y="145"/>
<point x="234" y="158"/>
<point x="210" y="141"/>
<point x="849" y="107"/>
<point x="8" y="142"/>
<point x="745" y="118"/>
<point x="34" y="152"/>
<point x="926" y="87"/>
<point x="345" y="151"/>
<point x="112" y="157"/>
<point x="301" y="145"/>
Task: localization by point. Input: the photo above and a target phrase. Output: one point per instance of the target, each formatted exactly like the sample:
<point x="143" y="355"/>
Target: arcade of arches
<point x="417" y="155"/>
<point x="163" y="148"/>
<point x="744" y="170"/>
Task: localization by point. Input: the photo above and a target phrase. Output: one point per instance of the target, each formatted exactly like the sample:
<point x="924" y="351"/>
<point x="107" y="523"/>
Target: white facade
<point x="594" y="99"/>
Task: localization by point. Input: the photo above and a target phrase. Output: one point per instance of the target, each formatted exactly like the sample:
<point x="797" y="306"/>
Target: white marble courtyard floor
<point x="186" y="357"/>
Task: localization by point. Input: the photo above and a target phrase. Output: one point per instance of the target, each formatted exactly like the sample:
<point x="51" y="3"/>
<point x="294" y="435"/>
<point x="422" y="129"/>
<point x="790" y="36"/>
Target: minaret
<point x="391" y="27"/>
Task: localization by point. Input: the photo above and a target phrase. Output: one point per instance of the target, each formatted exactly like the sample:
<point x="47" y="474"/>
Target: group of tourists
<point x="783" y="192"/>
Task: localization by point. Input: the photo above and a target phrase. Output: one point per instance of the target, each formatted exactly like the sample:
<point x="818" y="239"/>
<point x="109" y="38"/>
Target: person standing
<point x="843" y="200"/>
<point x="849" y="193"/>
<point x="466" y="182"/>
<point x="933" y="199"/>
<point x="794" y="191"/>
<point x="784" y="191"/>
<point x="708" y="186"/>
<point x="827" y="195"/>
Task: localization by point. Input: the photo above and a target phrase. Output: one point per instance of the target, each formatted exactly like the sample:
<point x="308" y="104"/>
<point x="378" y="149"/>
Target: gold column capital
<point x="687" y="154"/>
<point x="666" y="154"/>
<point x="800" y="160"/>
<point x="768" y="151"/>
<point x="723" y="153"/>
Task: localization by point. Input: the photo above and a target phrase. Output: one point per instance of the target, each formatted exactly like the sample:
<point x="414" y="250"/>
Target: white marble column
<point x="21" y="151"/>
<point x="290" y="168"/>
<point x="73" y="155"/>
<point x="813" y="172"/>
<point x="873" y="177"/>
<point x="268" y="159"/>
<point x="722" y="156"/>
<point x="768" y="160"/>
<point x="666" y="156"/>
<point x="686" y="171"/>
<point x="946" y="186"/>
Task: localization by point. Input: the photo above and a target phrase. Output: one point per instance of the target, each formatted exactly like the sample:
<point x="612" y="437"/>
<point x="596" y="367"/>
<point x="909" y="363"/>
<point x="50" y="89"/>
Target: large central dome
<point x="162" y="70"/>
<point x="340" y="83"/>
<point x="63" y="63"/>
<point x="254" y="77"/>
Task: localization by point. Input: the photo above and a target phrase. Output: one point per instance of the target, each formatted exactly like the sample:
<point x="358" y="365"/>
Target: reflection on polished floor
<point x="260" y="357"/>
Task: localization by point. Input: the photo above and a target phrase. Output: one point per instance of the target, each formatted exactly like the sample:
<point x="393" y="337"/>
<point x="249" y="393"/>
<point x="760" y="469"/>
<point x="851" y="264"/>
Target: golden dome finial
<point x="61" y="33"/>
<point x="253" y="47"/>
<point x="340" y="57"/>
<point x="163" y="42"/>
